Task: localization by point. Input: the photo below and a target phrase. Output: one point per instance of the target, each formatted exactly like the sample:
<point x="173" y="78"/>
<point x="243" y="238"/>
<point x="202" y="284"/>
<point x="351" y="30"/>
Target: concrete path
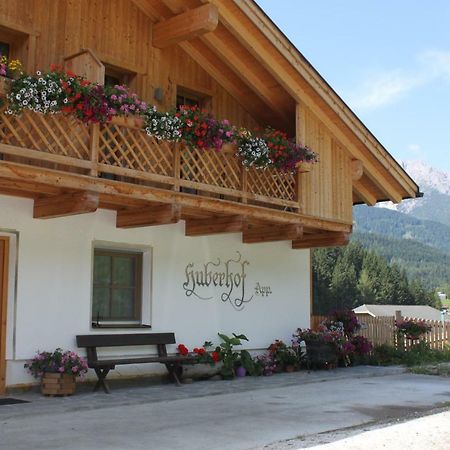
<point x="238" y="414"/>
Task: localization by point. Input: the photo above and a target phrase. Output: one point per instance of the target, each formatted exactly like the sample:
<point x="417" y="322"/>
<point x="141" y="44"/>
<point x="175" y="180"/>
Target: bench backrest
<point x="123" y="340"/>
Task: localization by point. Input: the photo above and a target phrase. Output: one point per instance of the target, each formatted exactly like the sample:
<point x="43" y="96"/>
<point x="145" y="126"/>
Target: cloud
<point x="384" y="88"/>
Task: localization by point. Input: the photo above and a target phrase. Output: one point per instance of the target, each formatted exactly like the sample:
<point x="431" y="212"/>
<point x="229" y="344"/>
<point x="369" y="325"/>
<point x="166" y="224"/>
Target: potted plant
<point x="285" y="358"/>
<point x="322" y="346"/>
<point x="57" y="370"/>
<point x="228" y="355"/>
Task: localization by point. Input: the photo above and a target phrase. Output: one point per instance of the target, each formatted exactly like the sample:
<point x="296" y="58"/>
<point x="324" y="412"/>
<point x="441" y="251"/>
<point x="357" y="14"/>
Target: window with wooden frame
<point x="117" y="287"/>
<point x="15" y="44"/>
<point x="192" y="98"/>
<point x="5" y="49"/>
<point x="118" y="76"/>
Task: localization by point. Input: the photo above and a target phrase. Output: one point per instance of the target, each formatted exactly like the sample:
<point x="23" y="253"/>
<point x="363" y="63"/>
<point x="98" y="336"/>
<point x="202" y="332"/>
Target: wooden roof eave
<point x="334" y="102"/>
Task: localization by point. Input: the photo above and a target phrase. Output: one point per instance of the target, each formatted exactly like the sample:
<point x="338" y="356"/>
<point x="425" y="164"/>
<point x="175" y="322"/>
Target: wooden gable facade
<point x="230" y="58"/>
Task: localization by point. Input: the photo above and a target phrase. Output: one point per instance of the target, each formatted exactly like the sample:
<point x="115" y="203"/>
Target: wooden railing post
<point x="176" y="166"/>
<point x="244" y="183"/>
<point x="94" y="142"/>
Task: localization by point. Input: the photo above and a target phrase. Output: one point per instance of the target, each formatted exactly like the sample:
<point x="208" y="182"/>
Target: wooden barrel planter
<point x="57" y="384"/>
<point x="321" y="355"/>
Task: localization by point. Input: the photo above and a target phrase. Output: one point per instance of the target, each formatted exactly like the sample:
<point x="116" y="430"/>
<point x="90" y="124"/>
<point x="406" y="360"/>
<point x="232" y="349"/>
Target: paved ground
<point x="425" y="433"/>
<point x="240" y="414"/>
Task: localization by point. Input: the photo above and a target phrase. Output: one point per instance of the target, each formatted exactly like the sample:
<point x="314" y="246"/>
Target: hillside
<point x="397" y="225"/>
<point x="420" y="261"/>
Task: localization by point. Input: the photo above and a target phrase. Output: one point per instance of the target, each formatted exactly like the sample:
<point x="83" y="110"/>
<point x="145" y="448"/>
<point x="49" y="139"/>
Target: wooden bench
<point x="102" y="366"/>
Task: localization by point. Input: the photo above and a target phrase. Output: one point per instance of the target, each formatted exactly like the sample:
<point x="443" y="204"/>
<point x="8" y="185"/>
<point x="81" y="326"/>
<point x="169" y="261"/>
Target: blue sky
<point x="388" y="59"/>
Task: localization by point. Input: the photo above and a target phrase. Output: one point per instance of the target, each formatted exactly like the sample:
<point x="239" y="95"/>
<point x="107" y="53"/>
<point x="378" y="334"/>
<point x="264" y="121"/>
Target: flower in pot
<point x="228" y="355"/>
<point x="265" y="364"/>
<point x="322" y="346"/>
<point x="286" y="358"/>
<point x="57" y="371"/>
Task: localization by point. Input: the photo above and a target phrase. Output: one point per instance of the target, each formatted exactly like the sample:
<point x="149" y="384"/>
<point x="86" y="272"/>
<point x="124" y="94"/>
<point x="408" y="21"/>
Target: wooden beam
<point x="65" y="205"/>
<point x="276" y="102"/>
<point x="361" y="191"/>
<point x="253" y="234"/>
<point x="214" y="225"/>
<point x="127" y="192"/>
<point x="185" y="26"/>
<point x="329" y="239"/>
<point x="145" y="217"/>
<point x="227" y="78"/>
<point x="357" y="169"/>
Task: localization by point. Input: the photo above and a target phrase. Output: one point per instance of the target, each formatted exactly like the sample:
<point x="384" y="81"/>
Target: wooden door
<point x="4" y="258"/>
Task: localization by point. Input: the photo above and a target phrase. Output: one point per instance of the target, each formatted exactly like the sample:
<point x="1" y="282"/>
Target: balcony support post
<point x="244" y="183"/>
<point x="176" y="166"/>
<point x="94" y="142"/>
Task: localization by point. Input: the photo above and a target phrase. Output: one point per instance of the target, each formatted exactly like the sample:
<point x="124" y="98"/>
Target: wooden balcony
<point x="70" y="168"/>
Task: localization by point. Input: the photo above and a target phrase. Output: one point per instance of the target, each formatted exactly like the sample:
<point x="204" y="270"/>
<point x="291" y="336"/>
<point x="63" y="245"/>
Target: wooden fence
<point x="381" y="330"/>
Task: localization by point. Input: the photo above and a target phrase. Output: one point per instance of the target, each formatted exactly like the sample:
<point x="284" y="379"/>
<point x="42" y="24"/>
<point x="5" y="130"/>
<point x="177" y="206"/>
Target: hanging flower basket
<point x="57" y="384"/>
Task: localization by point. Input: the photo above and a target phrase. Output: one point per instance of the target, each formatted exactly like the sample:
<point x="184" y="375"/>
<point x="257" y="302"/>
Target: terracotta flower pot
<point x="57" y="384"/>
<point x="289" y="368"/>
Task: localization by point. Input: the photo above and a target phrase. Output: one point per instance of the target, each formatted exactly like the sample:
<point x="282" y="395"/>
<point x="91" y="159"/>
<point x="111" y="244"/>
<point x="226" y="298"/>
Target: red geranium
<point x="182" y="350"/>
<point x="215" y="356"/>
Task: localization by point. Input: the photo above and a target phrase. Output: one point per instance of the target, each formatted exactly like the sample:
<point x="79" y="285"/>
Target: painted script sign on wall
<point x="223" y="279"/>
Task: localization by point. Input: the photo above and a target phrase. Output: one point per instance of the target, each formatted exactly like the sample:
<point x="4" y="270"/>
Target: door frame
<point x="4" y="279"/>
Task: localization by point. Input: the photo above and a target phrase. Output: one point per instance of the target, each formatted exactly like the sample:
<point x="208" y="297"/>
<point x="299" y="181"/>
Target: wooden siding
<point x="325" y="191"/>
<point x="120" y="35"/>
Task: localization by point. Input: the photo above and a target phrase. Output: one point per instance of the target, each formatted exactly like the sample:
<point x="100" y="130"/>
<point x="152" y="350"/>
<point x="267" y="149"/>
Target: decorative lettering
<point x="230" y="276"/>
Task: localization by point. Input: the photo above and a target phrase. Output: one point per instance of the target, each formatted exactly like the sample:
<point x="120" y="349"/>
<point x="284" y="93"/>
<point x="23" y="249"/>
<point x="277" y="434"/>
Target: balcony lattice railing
<point x="121" y="150"/>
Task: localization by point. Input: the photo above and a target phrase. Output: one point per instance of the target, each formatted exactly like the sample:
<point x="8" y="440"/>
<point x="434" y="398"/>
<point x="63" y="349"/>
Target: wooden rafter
<point x="244" y="71"/>
<point x="253" y="234"/>
<point x="329" y="239"/>
<point x="65" y="205"/>
<point x="227" y="78"/>
<point x="150" y="216"/>
<point x="364" y="193"/>
<point x="185" y="26"/>
<point x="216" y="225"/>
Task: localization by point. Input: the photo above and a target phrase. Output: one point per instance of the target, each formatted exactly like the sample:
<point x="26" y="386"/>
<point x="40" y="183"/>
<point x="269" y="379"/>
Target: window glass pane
<point x="122" y="303"/>
<point x="100" y="303"/>
<point x="124" y="270"/>
<point x="111" y="80"/>
<point x="102" y="269"/>
<point x="191" y="102"/>
<point x="4" y="49"/>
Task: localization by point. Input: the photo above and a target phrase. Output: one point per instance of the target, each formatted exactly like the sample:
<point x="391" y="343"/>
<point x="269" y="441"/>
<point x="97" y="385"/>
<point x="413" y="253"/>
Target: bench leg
<point x="175" y="372"/>
<point x="101" y="375"/>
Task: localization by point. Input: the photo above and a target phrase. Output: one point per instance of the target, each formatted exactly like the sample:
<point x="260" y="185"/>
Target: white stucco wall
<point x="54" y="268"/>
